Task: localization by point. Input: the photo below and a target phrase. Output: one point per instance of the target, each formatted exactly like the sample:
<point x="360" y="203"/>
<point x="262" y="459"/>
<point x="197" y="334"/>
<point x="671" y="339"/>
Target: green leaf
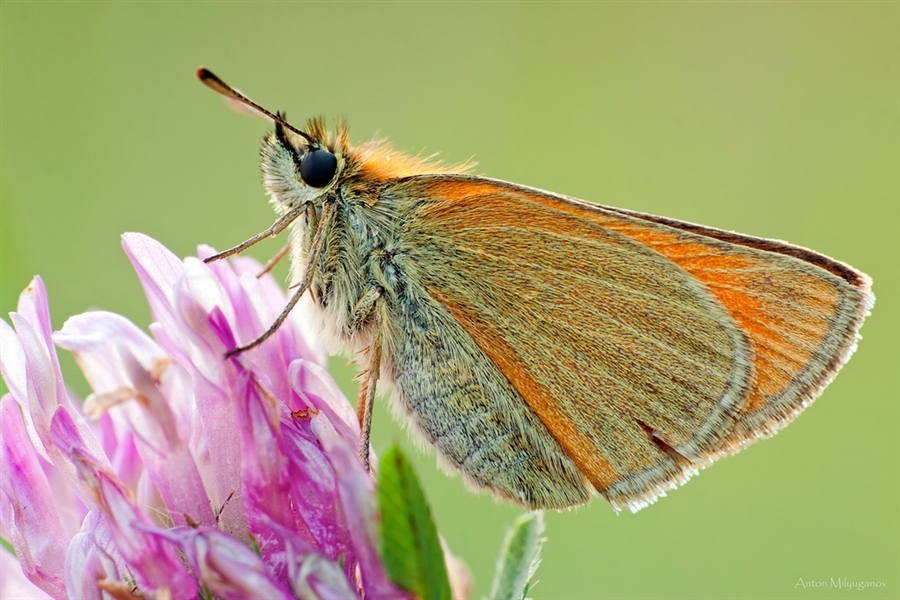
<point x="7" y="545"/>
<point x="410" y="548"/>
<point x="519" y="558"/>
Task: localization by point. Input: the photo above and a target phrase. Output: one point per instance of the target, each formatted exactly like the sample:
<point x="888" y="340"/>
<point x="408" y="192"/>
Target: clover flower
<point x="183" y="474"/>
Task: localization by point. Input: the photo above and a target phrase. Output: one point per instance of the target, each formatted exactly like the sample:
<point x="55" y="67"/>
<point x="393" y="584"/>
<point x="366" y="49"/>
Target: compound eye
<point x="318" y="167"/>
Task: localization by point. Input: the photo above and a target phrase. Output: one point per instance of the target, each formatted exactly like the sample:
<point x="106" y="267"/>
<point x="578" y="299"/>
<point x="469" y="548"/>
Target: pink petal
<point x="172" y="299"/>
<point x="100" y="340"/>
<point x="67" y="444"/>
<point x="152" y="564"/>
<point x="248" y="317"/>
<point x="35" y="309"/>
<point x="13" y="583"/>
<point x="121" y="450"/>
<point x="245" y="321"/>
<point x="35" y="530"/>
<point x="158" y="270"/>
<point x="36" y="393"/>
<point x="264" y="473"/>
<point x="311" y="574"/>
<point x="15" y="373"/>
<point x="215" y="394"/>
<point x="88" y="559"/>
<point x="228" y="568"/>
<point x="31" y="369"/>
<point x="319" y="391"/>
<point x="314" y="493"/>
<point x="357" y="489"/>
<point x="318" y="577"/>
<point x="116" y="356"/>
<point x="204" y="313"/>
<point x="29" y="362"/>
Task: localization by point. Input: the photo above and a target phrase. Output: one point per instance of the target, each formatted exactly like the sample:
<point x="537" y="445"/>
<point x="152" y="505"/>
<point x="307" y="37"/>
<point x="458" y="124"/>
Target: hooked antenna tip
<point x="212" y="81"/>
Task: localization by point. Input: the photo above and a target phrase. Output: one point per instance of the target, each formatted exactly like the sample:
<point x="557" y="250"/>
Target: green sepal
<point x="410" y="548"/>
<point x="519" y="558"/>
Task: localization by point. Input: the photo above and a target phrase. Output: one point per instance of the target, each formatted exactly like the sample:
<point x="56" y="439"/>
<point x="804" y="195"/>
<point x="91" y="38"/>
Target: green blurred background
<point x="773" y="119"/>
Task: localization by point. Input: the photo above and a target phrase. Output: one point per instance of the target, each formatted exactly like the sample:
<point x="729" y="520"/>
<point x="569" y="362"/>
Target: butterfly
<point x="550" y="349"/>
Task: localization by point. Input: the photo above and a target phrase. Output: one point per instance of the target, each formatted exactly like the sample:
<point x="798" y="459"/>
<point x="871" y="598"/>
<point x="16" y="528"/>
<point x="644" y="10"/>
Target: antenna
<point x="213" y="82"/>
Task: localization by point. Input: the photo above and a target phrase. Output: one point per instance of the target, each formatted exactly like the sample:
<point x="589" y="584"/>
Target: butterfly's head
<point x="302" y="166"/>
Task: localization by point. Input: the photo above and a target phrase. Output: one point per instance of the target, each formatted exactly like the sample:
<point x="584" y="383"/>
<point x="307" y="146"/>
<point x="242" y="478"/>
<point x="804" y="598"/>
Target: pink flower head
<point x="183" y="471"/>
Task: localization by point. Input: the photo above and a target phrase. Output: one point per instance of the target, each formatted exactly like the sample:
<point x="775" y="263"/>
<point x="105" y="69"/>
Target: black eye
<point x="318" y="167"/>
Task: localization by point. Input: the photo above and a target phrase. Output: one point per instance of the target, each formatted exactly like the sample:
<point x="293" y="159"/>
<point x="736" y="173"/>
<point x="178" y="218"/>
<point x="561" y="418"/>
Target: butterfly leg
<point x="275" y="260"/>
<point x="276" y="228"/>
<point x="367" y="402"/>
<point x="308" y="273"/>
<point x="364" y="309"/>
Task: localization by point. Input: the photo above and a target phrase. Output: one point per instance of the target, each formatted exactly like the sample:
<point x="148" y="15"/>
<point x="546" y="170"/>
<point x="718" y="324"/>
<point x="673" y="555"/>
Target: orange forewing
<point x="800" y="309"/>
<point x="732" y="278"/>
